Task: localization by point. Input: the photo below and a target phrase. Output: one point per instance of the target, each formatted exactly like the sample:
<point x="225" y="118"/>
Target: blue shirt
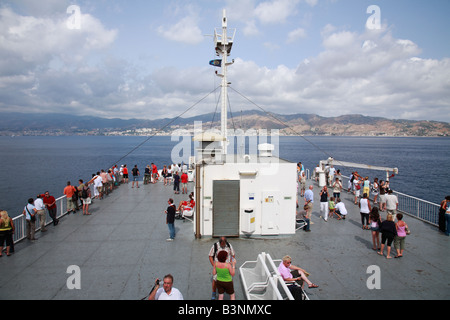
<point x="30" y="209"/>
<point x="309" y="196"/>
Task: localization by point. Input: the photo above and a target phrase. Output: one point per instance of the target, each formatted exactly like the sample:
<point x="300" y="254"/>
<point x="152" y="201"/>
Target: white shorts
<point x="86" y="201"/>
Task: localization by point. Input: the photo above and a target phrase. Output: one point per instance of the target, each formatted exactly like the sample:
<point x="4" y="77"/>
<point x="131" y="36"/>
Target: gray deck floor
<point x="121" y="248"/>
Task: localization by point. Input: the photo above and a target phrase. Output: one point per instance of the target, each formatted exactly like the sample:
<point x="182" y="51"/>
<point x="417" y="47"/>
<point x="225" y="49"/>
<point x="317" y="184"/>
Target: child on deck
<point x="332" y="208"/>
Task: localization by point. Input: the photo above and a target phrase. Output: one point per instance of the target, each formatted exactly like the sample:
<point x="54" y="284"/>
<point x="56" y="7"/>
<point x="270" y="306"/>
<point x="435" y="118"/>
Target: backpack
<point x="75" y="194"/>
<point x="84" y="193"/>
<point x="216" y="248"/>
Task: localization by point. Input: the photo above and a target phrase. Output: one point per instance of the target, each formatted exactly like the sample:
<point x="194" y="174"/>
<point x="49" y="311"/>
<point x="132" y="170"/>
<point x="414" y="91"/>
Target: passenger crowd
<point x="222" y="255"/>
<point x="79" y="197"/>
<point x="392" y="229"/>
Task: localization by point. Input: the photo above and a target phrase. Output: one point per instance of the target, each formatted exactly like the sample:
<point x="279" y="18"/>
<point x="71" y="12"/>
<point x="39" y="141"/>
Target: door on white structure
<point x="226" y="208"/>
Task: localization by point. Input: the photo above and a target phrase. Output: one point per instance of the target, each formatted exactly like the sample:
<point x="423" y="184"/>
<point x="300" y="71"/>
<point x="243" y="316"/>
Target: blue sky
<point x="149" y="59"/>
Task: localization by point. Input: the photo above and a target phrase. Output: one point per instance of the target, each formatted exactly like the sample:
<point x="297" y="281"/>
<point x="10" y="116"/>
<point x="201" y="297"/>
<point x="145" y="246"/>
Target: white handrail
<point x="415" y="207"/>
<point x="20" y="220"/>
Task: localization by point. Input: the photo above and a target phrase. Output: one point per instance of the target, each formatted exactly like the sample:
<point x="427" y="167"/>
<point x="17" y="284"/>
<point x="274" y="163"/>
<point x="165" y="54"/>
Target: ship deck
<point x="121" y="248"/>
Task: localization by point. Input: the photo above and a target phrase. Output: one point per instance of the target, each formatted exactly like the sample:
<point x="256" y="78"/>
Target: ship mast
<point x="223" y="45"/>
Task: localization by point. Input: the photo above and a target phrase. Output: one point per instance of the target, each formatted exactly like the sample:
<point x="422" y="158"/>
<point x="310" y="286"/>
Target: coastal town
<point x="287" y="125"/>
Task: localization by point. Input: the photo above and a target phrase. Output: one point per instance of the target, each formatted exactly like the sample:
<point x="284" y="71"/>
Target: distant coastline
<point x="170" y="134"/>
<point x="164" y="134"/>
<point x="18" y="124"/>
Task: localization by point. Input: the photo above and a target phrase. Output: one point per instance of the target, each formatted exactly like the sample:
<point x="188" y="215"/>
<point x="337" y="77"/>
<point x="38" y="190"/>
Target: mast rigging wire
<point x="165" y="126"/>
<point x="229" y="105"/>
<point x="215" y="111"/>
<point x="284" y="124"/>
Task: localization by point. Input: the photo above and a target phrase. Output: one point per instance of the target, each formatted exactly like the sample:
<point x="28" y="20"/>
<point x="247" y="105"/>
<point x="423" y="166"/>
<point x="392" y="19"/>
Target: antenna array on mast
<point x="223" y="44"/>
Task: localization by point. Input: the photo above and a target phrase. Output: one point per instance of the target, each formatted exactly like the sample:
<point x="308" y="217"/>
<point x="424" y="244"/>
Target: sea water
<point x="33" y="165"/>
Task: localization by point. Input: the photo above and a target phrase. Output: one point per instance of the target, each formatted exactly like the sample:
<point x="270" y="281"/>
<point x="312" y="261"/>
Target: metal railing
<point x="418" y="208"/>
<point x="412" y="206"/>
<point x="20" y="223"/>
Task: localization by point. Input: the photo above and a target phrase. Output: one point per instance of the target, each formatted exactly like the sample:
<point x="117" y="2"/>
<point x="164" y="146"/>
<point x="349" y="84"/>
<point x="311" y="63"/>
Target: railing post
<point x="418" y="209"/>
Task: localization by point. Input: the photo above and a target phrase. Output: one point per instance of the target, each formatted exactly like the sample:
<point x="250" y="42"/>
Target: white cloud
<point x="271" y="46"/>
<point x="46" y="66"/>
<point x="296" y="34"/>
<point x="379" y="77"/>
<point x="327" y="30"/>
<point x="254" y="15"/>
<point x="28" y="41"/>
<point x="312" y="3"/>
<point x="240" y="10"/>
<point x="368" y="45"/>
<point x="276" y="11"/>
<point x="43" y="63"/>
<point x="340" y="40"/>
<point x="42" y="8"/>
<point x="185" y="31"/>
<point x="250" y="28"/>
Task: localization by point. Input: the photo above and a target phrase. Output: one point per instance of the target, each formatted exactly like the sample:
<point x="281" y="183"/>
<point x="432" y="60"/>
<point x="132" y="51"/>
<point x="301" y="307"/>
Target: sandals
<point x="313" y="286"/>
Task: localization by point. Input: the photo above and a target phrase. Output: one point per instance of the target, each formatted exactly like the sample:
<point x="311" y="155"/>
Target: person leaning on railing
<point x="30" y="215"/>
<point x="443" y="222"/>
<point x="6" y="232"/>
<point x="447" y="217"/>
<point x="50" y="203"/>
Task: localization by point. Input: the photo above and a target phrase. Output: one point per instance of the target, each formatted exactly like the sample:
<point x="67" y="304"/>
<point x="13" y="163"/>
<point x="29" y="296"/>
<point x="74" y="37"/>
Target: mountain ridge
<point x="14" y="123"/>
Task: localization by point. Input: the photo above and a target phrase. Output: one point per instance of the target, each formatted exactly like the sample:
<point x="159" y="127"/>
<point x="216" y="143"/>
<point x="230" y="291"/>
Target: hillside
<point x="295" y="124"/>
<point x="347" y="125"/>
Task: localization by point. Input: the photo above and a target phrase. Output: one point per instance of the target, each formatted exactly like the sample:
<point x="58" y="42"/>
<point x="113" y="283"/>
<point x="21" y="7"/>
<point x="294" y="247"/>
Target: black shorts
<point x="387" y="237"/>
<point x="125" y="175"/>
<point x="6" y="235"/>
<point x="225" y="287"/>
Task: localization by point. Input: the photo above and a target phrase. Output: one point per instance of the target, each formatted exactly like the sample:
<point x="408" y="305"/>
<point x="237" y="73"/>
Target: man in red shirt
<point x="184" y="182"/>
<point x="125" y="173"/>
<point x="154" y="172"/>
<point x="50" y="203"/>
